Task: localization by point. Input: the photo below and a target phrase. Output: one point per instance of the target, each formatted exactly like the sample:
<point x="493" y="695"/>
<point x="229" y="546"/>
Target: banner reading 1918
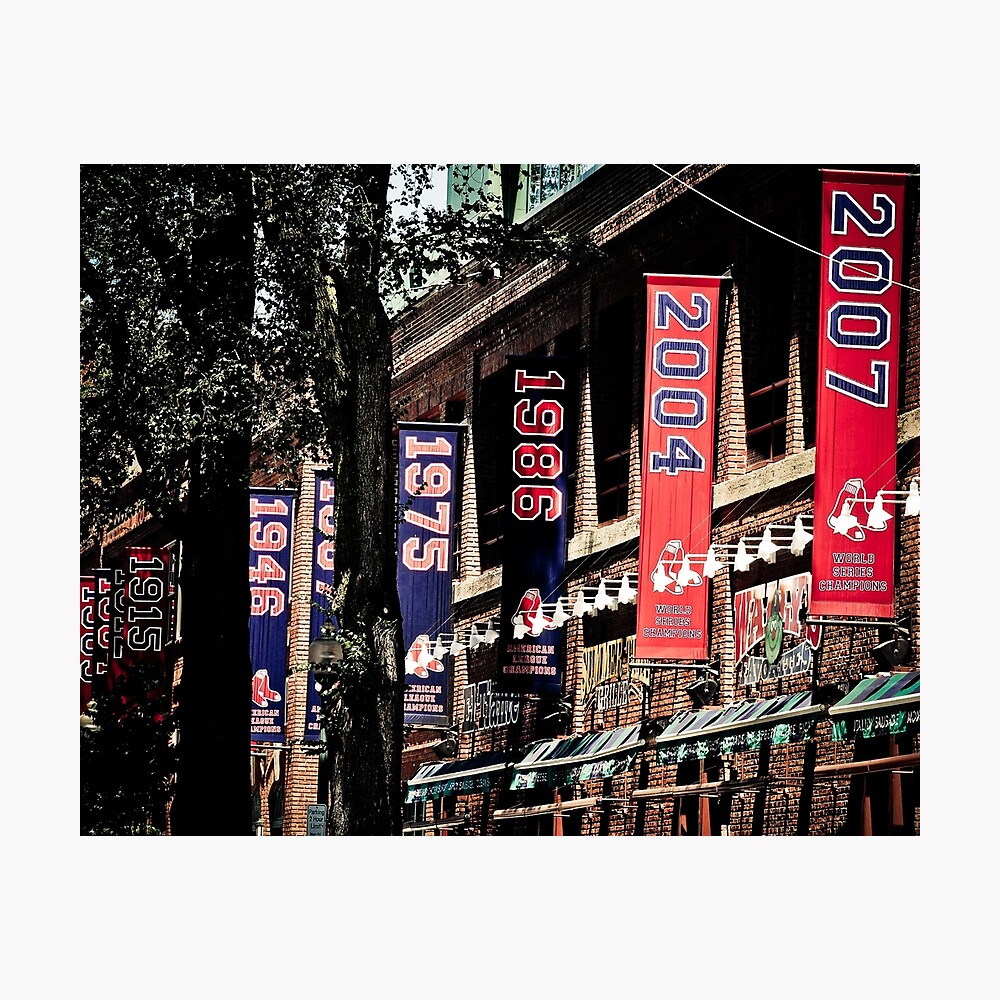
<point x="322" y="586"/>
<point x="857" y="394"/>
<point x="428" y="478"/>
<point x="270" y="575"/>
<point x="535" y="526"/>
<point x="677" y="455"/>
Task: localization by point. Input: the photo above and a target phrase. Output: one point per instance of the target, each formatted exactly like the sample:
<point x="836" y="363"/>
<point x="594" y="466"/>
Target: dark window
<point x="276" y="808"/>
<point x="492" y="439"/>
<point x="611" y="353"/>
<point x="765" y="288"/>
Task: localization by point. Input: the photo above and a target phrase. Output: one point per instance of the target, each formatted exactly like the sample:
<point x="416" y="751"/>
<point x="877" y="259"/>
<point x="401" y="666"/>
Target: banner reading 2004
<point x="677" y="455"/>
<point x="428" y="473"/>
<point x="534" y="556"/>
<point x="270" y="573"/>
<point x="858" y="383"/>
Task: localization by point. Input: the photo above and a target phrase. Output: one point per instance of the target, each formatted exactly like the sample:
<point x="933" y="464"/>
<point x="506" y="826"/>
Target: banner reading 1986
<point x="677" y="456"/>
<point x="858" y="380"/>
<point x="428" y="479"/>
<point x="534" y="558"/>
<point x="270" y="574"/>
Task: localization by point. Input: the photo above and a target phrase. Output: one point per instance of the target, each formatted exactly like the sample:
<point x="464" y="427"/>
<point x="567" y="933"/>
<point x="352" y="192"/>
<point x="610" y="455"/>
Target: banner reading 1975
<point x="677" y="454"/>
<point x="270" y="576"/>
<point x="857" y="394"/>
<point x="428" y="480"/>
<point x="535" y="526"/>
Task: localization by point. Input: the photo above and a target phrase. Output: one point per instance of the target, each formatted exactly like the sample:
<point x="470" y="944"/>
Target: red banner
<point x="856" y="412"/>
<point x="147" y="607"/>
<point x="86" y="640"/>
<point x="677" y="456"/>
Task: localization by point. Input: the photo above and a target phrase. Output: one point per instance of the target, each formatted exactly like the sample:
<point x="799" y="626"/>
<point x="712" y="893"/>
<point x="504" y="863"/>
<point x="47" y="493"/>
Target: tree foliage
<point x="232" y="317"/>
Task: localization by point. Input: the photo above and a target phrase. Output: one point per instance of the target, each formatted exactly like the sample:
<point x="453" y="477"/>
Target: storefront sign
<point x="797" y="660"/>
<point x="485" y="708"/>
<point x="858" y="381"/>
<point x="752" y="610"/>
<point x="888" y="723"/>
<point x="678" y="442"/>
<point x="270" y="611"/>
<point x="534" y="565"/>
<point x="428" y="481"/>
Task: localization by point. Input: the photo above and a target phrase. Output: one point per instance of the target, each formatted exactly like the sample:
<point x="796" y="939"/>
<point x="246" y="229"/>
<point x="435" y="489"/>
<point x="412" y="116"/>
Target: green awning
<point x="746" y="725"/>
<point x="456" y="777"/>
<point x="578" y="758"/>
<point x="885" y="704"/>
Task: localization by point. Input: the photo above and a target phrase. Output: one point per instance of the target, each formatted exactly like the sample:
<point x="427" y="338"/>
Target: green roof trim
<point x="745" y="725"/>
<point x="578" y="758"/>
<point x="884" y="704"/>
<point x="456" y="777"/>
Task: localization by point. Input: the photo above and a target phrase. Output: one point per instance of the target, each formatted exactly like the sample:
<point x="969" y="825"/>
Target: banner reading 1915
<point x="270" y="573"/>
<point x="857" y="394"/>
<point x="428" y="479"/>
<point x="535" y="526"/>
<point x="677" y="454"/>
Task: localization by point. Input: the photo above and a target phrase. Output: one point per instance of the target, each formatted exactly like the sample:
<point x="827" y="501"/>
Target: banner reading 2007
<point x="428" y="473"/>
<point x="270" y="573"/>
<point x="856" y="411"/>
<point x="534" y="557"/>
<point x="677" y="456"/>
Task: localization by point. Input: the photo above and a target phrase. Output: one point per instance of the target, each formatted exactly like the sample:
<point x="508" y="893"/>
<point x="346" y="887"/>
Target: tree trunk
<point x="367" y="751"/>
<point x="213" y="794"/>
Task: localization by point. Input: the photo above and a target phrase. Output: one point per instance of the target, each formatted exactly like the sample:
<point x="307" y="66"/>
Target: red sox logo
<point x="529" y="619"/>
<point x="419" y="660"/>
<point x="261" y="692"/>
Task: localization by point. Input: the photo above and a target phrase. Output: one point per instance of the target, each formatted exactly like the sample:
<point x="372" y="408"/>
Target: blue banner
<point x="270" y="576"/>
<point x="322" y="585"/>
<point x="535" y="526"/>
<point x="428" y="482"/>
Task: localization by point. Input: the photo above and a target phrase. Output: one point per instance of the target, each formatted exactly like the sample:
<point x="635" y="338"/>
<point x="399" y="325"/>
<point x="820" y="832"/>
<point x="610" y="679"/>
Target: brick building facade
<point x="807" y="769"/>
<point x="759" y="227"/>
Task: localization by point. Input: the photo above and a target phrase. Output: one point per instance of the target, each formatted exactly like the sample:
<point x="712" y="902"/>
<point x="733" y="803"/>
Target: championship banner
<point x="146" y="608"/>
<point x="116" y="636"/>
<point x="678" y="441"/>
<point x="535" y="529"/>
<point x="856" y="412"/>
<point x="86" y="640"/>
<point x="428" y="480"/>
<point x="270" y="577"/>
<point x="322" y="585"/>
<point x="102" y="642"/>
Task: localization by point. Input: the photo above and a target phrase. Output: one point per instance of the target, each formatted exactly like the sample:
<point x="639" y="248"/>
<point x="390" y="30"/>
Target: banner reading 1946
<point x="858" y="381"/>
<point x="535" y="527"/>
<point x="677" y="454"/>
<point x="428" y="478"/>
<point x="270" y="573"/>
